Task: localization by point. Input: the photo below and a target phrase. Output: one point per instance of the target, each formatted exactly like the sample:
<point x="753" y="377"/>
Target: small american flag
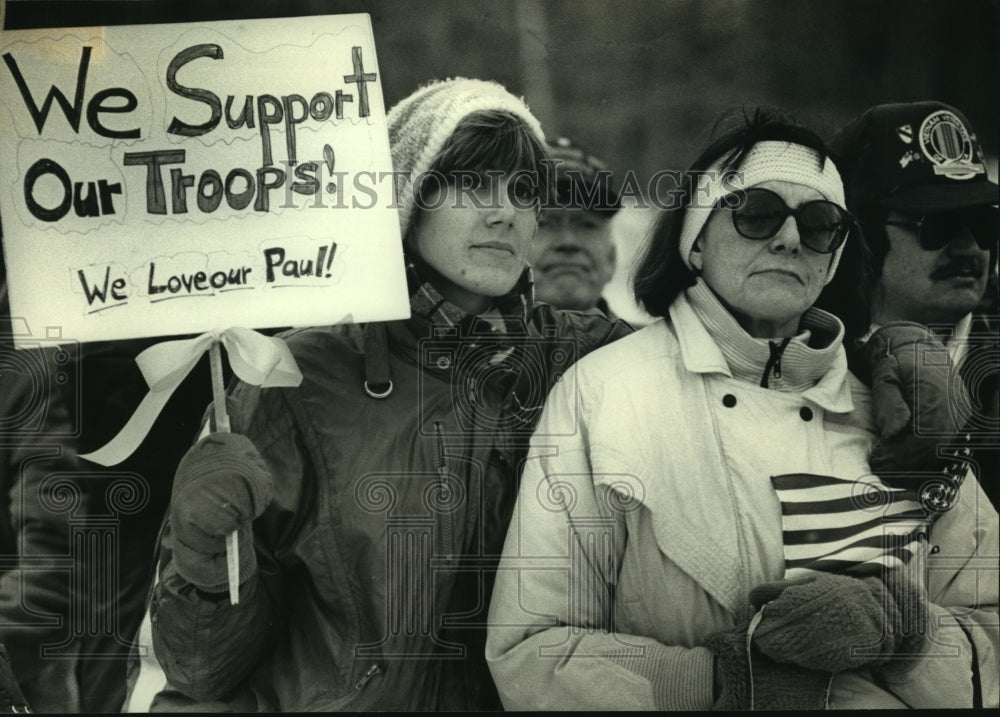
<point x="857" y="527"/>
<point x="862" y="527"/>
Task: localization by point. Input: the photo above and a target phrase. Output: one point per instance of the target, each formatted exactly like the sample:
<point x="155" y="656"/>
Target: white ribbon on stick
<point x="256" y="359"/>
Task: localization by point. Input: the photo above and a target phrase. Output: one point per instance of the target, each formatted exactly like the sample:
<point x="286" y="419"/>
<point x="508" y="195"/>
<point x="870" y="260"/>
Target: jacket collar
<point x="605" y="308"/>
<point x="813" y="363"/>
<point x="432" y="317"/>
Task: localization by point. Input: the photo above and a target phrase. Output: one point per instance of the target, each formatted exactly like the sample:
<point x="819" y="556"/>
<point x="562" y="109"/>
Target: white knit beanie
<point x="421" y="124"/>
<point x="766" y="161"/>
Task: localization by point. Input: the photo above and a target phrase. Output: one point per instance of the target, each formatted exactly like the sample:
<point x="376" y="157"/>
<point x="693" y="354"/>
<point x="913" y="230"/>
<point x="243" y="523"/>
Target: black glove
<point x="834" y="623"/>
<point x="749" y="680"/>
<point x="918" y="398"/>
<point x="221" y="485"/>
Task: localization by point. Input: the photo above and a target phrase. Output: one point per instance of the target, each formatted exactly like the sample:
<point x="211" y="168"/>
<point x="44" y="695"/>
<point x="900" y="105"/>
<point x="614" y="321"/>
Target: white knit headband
<point x="766" y="161"/>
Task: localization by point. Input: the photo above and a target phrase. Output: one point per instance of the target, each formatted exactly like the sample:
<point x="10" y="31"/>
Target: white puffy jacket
<point x="646" y="515"/>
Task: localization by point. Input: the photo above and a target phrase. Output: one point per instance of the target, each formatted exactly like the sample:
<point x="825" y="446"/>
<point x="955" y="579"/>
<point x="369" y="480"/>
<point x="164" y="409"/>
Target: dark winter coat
<point x="376" y="557"/>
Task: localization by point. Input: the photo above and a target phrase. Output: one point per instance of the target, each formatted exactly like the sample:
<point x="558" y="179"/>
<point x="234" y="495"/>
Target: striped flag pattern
<point x="858" y="527"/>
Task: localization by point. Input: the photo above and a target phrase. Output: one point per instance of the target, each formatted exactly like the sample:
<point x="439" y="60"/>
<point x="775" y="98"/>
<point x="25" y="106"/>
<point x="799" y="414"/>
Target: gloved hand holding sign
<point x="221" y="485"/>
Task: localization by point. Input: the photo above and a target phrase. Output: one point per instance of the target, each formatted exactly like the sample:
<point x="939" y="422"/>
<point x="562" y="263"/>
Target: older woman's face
<point x="767" y="284"/>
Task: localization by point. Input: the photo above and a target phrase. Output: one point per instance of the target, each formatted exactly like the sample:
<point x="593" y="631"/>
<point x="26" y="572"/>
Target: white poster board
<point x="168" y="179"/>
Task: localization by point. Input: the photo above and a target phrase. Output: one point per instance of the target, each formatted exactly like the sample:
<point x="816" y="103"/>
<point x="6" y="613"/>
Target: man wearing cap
<point x="573" y="256"/>
<point x="917" y="182"/>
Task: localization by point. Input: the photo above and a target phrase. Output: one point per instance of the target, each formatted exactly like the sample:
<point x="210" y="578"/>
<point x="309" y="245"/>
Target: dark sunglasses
<point x="760" y="214"/>
<point x="936" y="230"/>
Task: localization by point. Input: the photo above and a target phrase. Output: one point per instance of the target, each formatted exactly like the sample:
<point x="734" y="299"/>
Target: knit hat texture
<point x="421" y="124"/>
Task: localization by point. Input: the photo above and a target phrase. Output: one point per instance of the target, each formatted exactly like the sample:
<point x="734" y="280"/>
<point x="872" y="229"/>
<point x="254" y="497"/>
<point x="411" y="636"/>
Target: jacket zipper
<point x="442" y="475"/>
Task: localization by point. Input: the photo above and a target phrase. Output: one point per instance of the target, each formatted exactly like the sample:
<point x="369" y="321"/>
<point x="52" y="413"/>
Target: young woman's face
<point x="768" y="284"/>
<point x="478" y="240"/>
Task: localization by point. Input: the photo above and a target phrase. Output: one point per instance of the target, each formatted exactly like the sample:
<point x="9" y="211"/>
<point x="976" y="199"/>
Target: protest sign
<point x="174" y="179"/>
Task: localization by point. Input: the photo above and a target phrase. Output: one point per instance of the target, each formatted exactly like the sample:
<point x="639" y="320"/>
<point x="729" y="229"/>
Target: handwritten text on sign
<point x="218" y="163"/>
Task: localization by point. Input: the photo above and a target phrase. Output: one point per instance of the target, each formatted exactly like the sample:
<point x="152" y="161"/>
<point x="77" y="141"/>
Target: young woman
<point x="661" y="557"/>
<point x="373" y="499"/>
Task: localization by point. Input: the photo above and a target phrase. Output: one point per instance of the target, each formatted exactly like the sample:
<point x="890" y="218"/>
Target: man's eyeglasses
<point x="822" y="225"/>
<point x="937" y="229"/>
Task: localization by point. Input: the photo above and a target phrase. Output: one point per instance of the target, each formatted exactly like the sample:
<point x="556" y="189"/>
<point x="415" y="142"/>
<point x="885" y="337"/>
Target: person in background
<point x="697" y="525"/>
<point x="573" y="255"/>
<point x="916" y="180"/>
<point x="372" y="500"/>
<point x="33" y="422"/>
<point x="68" y="624"/>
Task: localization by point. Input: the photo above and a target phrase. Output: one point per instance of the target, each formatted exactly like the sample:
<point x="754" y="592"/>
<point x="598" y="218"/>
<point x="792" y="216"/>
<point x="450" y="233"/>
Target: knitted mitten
<point x="918" y="398"/>
<point x="833" y="623"/>
<point x="748" y="680"/>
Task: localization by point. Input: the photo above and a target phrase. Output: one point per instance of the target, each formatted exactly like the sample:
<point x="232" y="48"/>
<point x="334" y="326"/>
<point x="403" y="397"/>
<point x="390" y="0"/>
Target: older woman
<point x="697" y="524"/>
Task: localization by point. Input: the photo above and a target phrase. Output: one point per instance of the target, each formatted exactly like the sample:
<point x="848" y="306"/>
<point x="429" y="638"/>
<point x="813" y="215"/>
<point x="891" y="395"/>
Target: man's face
<point x="572" y="258"/>
<point x="930" y="286"/>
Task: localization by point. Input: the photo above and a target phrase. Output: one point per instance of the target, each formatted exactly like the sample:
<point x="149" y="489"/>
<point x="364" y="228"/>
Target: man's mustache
<point x="965" y="266"/>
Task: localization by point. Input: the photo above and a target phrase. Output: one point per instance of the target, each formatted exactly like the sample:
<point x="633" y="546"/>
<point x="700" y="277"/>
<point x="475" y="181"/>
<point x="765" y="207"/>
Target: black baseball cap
<point x="914" y="157"/>
<point x="580" y="180"/>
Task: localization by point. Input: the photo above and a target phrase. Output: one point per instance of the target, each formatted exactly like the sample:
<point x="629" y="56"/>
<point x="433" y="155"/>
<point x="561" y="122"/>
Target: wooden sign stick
<point x="222" y="426"/>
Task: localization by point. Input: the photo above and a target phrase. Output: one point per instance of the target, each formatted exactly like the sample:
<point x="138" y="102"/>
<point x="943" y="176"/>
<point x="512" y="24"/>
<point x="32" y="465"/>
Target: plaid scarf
<point x="493" y="346"/>
<point x="509" y="313"/>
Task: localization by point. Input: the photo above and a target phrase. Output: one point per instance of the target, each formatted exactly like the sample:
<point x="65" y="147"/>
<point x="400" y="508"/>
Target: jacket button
<point x="806" y="413"/>
<point x="729" y="400"/>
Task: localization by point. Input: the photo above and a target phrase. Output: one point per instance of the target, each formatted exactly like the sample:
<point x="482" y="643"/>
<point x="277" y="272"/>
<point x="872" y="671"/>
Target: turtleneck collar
<point x="791" y="364"/>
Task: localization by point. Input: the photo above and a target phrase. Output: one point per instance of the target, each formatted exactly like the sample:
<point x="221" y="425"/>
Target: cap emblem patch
<point x="946" y="142"/>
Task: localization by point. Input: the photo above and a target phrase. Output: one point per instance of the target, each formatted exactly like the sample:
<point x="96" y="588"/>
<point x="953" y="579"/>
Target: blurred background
<point x="641" y="82"/>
